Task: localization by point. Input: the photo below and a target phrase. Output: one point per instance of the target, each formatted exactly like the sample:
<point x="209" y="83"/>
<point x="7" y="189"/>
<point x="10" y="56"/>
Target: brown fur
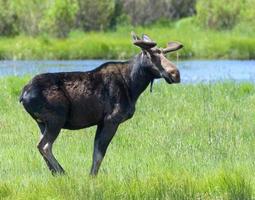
<point x="104" y="97"/>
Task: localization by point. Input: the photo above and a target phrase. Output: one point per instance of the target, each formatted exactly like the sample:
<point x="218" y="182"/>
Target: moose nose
<point x="175" y="74"/>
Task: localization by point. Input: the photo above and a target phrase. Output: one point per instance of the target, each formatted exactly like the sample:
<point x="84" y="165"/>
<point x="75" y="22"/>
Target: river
<point x="192" y="71"/>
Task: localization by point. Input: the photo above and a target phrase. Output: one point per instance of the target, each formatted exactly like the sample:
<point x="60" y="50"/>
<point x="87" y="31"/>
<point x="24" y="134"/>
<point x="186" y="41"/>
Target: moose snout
<point x="171" y="72"/>
<point x="175" y="75"/>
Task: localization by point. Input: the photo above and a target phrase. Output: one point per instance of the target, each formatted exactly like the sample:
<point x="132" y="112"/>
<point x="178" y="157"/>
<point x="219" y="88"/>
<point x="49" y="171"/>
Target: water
<point x="195" y="71"/>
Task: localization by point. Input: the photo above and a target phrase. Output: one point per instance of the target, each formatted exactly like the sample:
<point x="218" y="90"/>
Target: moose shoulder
<point x="104" y="97"/>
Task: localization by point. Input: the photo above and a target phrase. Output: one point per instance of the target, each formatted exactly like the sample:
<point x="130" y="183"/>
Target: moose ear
<point x="146" y="38"/>
<point x="172" y="46"/>
<point x="144" y="43"/>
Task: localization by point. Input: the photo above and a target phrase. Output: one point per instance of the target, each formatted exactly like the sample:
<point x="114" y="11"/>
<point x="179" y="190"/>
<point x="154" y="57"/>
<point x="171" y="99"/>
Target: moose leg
<point x="45" y="148"/>
<point x="42" y="129"/>
<point x="104" y="135"/>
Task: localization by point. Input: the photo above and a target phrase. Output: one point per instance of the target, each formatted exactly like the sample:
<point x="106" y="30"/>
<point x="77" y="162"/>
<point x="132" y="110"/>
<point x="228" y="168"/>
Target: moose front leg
<point x="104" y="135"/>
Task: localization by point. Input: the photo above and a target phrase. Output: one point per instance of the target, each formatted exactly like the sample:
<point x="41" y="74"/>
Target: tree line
<point x="59" y="17"/>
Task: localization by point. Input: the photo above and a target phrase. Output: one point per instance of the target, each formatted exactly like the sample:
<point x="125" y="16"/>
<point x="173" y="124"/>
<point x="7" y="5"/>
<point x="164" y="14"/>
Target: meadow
<point x="184" y="142"/>
<point x="209" y="44"/>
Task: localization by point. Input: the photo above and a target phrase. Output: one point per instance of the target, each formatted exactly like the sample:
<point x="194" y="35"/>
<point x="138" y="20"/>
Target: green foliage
<point x="236" y="186"/>
<point x="198" y="43"/>
<point x="247" y="11"/>
<point x="184" y="142"/>
<point x="144" y="12"/>
<point x="95" y="14"/>
<point x="29" y="15"/>
<point x="8" y="19"/>
<point x="5" y="191"/>
<point x="214" y="14"/>
<point x="59" y="18"/>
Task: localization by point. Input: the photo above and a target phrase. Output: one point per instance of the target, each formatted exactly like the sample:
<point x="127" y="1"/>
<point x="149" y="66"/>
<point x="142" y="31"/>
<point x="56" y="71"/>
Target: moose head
<point x="153" y="58"/>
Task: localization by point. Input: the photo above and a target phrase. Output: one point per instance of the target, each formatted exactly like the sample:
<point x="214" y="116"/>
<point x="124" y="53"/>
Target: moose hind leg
<point x="42" y="127"/>
<point x="45" y="148"/>
<point x="104" y="135"/>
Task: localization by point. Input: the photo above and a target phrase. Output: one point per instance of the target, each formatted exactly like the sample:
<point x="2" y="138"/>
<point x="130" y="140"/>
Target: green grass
<point x="199" y="43"/>
<point x="184" y="142"/>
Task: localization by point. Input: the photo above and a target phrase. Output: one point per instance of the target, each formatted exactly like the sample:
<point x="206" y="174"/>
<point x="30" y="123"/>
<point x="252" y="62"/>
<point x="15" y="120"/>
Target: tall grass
<point x="199" y="43"/>
<point x="184" y="142"/>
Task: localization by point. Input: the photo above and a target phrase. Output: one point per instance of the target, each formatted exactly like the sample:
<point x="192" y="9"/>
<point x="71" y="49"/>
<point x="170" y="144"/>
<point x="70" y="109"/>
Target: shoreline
<point x="198" y="44"/>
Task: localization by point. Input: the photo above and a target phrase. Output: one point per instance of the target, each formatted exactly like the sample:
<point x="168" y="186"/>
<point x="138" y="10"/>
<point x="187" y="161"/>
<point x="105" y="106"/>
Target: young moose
<point x="105" y="96"/>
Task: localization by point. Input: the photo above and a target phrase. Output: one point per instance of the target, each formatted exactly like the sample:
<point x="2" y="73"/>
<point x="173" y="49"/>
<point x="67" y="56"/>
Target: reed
<point x="184" y="142"/>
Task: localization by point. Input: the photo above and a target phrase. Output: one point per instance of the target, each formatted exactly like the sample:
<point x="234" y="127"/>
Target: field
<point x="184" y="142"/>
<point x="209" y="44"/>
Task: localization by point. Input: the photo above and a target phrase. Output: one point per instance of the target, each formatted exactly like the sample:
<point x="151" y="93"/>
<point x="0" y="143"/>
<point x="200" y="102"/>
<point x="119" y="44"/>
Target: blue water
<point x="195" y="71"/>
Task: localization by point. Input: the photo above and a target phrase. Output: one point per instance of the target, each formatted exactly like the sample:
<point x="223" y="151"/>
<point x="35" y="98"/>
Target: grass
<point x="199" y="43"/>
<point x="184" y="142"/>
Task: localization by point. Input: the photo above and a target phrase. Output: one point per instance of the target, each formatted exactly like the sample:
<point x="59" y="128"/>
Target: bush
<point x="144" y="12"/>
<point x="213" y="14"/>
<point x="95" y="14"/>
<point x="248" y="12"/>
<point x="177" y="9"/>
<point x="8" y="19"/>
<point x="29" y="15"/>
<point x="60" y="18"/>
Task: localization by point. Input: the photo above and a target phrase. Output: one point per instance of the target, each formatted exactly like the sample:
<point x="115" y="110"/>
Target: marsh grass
<point x="199" y="43"/>
<point x="184" y="142"/>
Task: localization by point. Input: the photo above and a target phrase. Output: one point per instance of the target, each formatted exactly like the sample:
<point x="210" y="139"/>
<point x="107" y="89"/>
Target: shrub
<point x="213" y="14"/>
<point x="29" y="15"/>
<point x="144" y="12"/>
<point x="8" y="19"/>
<point x="177" y="9"/>
<point x="94" y="14"/>
<point x="60" y="18"/>
<point x="248" y="12"/>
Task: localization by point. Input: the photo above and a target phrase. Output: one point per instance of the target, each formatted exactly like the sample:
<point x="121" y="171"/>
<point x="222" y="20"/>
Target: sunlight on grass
<point x="184" y="142"/>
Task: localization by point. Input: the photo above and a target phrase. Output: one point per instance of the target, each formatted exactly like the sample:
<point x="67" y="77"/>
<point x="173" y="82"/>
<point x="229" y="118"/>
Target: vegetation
<point x="212" y="14"/>
<point x="82" y="29"/>
<point x="58" y="17"/>
<point x="184" y="142"/>
<point x="198" y="43"/>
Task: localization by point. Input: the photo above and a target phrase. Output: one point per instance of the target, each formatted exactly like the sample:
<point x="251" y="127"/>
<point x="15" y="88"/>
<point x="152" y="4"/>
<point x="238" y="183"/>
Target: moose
<point x="105" y="96"/>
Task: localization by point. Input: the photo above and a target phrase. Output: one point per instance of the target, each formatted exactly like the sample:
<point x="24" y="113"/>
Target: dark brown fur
<point x="104" y="97"/>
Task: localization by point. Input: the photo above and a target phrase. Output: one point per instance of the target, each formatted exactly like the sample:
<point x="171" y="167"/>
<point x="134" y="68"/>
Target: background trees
<point x="59" y="17"/>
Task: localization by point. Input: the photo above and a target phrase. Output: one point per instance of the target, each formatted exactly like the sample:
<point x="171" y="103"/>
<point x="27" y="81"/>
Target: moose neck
<point x="139" y="78"/>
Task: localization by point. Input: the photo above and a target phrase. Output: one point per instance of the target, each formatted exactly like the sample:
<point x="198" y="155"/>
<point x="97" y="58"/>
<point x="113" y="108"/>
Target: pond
<point x="194" y="71"/>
